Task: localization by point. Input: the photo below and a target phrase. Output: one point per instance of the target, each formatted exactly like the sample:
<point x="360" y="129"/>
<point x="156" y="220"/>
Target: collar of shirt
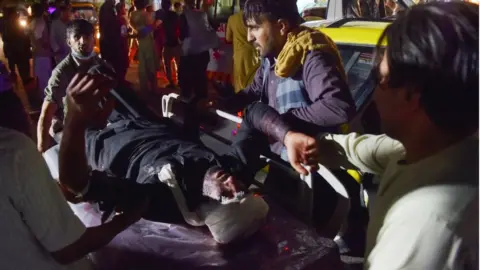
<point x="77" y="62"/>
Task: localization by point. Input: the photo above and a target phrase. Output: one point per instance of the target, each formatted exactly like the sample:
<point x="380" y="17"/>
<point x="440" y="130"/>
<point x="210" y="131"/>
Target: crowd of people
<point x="425" y="215"/>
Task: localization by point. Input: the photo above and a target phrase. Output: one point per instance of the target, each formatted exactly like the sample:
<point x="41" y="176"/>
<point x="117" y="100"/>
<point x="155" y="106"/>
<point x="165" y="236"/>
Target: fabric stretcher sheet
<point x="283" y="243"/>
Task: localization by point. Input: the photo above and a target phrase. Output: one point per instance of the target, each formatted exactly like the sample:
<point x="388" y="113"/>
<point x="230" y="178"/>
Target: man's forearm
<point x="45" y="122"/>
<point x="367" y="153"/>
<point x="266" y="120"/>
<point x="93" y="239"/>
<point x="73" y="161"/>
<point x="326" y="113"/>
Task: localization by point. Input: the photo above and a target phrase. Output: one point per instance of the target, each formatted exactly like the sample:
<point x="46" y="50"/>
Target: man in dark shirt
<point x="108" y="37"/>
<point x="301" y="77"/>
<point x="171" y="28"/>
<point x="314" y="96"/>
<point x="154" y="157"/>
<point x="56" y="13"/>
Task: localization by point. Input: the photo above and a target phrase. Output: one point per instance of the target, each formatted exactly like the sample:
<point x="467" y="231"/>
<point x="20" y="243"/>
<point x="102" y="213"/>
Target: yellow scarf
<point x="299" y="43"/>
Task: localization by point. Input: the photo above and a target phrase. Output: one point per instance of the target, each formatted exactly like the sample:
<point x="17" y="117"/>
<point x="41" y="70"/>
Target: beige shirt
<point x="425" y="215"/>
<point x="35" y="217"/>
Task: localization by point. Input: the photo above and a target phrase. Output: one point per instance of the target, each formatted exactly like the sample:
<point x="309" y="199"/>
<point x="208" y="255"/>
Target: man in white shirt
<point x="425" y="215"/>
<point x="37" y="227"/>
<point x="42" y="51"/>
<point x="58" y="34"/>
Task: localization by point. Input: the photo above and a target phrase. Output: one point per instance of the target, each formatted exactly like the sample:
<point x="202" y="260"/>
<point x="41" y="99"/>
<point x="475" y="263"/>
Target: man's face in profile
<point x="396" y="107"/>
<point x="267" y="36"/>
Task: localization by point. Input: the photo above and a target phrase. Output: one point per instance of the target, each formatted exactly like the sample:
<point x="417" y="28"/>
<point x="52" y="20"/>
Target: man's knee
<point x="236" y="221"/>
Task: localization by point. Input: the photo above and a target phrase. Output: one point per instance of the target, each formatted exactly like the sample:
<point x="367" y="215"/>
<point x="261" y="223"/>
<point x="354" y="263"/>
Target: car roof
<point x="354" y="35"/>
<point x="366" y="24"/>
<point x="352" y="31"/>
<point x="82" y="4"/>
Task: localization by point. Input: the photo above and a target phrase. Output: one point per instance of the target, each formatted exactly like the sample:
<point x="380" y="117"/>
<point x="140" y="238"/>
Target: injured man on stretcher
<point x="133" y="158"/>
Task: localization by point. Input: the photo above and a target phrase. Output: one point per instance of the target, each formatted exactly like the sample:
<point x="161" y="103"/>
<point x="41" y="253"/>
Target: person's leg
<point x="153" y="81"/>
<point x="122" y="73"/>
<point x="176" y="55"/>
<point x="12" y="66"/>
<point x="167" y="58"/>
<point x="143" y="78"/>
<point x="43" y="71"/>
<point x="23" y="65"/>
<point x="185" y="76"/>
<point x="201" y="82"/>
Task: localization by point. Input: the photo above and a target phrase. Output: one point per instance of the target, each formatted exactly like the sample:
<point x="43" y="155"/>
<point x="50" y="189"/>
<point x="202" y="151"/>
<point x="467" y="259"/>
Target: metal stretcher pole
<point x="227" y="116"/>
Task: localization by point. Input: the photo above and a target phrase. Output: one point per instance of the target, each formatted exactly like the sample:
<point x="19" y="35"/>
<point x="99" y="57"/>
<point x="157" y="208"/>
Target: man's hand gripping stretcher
<point x="205" y="189"/>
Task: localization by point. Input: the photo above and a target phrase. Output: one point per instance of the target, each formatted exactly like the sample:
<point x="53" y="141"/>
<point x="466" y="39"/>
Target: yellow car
<point x="356" y="40"/>
<point x="88" y="11"/>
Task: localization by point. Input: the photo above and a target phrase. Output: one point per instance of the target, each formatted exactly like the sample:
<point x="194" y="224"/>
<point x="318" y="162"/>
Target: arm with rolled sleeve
<point x="368" y="153"/>
<point x="184" y="31"/>
<point x="55" y="90"/>
<point x="327" y="88"/>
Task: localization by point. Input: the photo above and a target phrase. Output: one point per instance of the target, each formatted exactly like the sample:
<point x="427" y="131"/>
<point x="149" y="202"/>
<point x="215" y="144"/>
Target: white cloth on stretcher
<point x="226" y="222"/>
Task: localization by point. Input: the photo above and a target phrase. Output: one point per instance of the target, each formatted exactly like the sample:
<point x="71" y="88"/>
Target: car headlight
<point x="23" y="22"/>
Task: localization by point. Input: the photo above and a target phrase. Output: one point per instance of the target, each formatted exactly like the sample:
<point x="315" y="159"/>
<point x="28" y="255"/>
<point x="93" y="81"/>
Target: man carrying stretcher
<point x="131" y="159"/>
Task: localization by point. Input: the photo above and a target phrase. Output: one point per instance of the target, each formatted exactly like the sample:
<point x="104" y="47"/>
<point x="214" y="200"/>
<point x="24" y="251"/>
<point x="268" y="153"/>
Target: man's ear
<point x="284" y="26"/>
<point x="68" y="42"/>
<point x="411" y="99"/>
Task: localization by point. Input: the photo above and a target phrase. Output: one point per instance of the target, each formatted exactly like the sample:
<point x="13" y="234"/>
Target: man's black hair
<point x="177" y="4"/>
<point x="64" y="8"/>
<point x="433" y="49"/>
<point x="166" y="4"/>
<point x="37" y="10"/>
<point x="140" y="4"/>
<point x="241" y="3"/>
<point x="272" y="10"/>
<point x="80" y="27"/>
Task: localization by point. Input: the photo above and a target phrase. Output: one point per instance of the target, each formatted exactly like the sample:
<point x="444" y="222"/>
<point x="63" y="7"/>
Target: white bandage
<point x="234" y="220"/>
<point x="228" y="220"/>
<point x="167" y="176"/>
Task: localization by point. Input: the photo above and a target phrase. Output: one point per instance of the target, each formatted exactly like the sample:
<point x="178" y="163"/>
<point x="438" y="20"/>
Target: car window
<point x="358" y="62"/>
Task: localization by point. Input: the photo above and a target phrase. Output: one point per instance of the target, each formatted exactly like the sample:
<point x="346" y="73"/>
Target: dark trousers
<point x="23" y="65"/>
<point x="192" y="74"/>
<point x="13" y="114"/>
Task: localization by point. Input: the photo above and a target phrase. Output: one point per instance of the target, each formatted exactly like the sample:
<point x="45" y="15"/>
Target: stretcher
<point x="303" y="204"/>
<point x="285" y="242"/>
